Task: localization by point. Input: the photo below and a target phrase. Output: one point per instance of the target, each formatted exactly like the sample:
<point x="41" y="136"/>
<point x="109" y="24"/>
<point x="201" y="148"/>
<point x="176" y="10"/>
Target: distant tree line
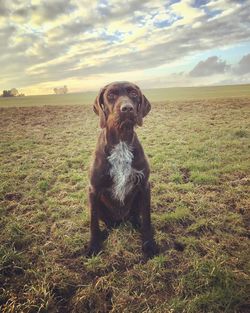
<point x="12" y="93"/>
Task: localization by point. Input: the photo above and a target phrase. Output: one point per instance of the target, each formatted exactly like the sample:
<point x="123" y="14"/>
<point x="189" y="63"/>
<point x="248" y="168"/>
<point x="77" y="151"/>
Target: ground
<point x="198" y="151"/>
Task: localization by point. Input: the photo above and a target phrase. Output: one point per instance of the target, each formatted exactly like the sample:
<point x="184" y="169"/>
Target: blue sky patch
<point x="168" y="22"/>
<point x="199" y="3"/>
<point x="113" y="38"/>
<point x="212" y="13"/>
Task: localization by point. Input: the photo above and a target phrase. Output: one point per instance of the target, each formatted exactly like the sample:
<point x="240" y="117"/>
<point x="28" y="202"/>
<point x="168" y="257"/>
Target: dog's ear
<point x="143" y="109"/>
<point x="98" y="108"/>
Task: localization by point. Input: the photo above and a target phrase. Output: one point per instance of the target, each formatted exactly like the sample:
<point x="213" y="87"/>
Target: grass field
<point x="198" y="151"/>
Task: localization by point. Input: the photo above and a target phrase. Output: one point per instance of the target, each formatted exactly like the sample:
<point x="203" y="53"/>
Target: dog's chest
<point x="124" y="176"/>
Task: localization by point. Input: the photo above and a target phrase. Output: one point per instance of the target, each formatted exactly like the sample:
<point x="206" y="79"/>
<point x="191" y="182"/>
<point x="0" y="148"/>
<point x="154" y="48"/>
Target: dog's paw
<point x="93" y="249"/>
<point x="150" y="248"/>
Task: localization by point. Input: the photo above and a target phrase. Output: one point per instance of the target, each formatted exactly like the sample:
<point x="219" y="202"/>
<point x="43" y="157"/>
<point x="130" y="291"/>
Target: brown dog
<point x="119" y="188"/>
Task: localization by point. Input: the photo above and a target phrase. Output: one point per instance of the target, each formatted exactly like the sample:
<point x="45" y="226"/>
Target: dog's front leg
<point x="149" y="246"/>
<point x="95" y="232"/>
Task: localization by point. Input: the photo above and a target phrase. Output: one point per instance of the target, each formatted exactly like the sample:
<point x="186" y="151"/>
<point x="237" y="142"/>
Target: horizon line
<point x="96" y="90"/>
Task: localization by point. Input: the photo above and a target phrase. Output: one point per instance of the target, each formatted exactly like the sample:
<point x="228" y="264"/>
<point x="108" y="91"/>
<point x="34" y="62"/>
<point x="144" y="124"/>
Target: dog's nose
<point x="127" y="107"/>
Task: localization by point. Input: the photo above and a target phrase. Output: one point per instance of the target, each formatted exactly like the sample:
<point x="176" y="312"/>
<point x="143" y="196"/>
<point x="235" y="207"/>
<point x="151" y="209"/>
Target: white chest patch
<point x="124" y="176"/>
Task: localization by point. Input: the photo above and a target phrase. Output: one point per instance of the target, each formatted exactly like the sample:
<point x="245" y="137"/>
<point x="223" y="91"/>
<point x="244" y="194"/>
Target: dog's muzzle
<point x="127" y="107"/>
<point x="127" y="114"/>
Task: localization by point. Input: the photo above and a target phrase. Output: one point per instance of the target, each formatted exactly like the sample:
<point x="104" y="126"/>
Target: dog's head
<point x="121" y="102"/>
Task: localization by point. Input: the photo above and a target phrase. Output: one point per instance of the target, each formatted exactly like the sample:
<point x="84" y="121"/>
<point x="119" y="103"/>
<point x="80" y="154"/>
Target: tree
<point x="7" y="93"/>
<point x="60" y="91"/>
<point x="14" y="92"/>
<point x="10" y="93"/>
<point x="65" y="89"/>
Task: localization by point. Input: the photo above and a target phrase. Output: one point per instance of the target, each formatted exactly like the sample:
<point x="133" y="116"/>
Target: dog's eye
<point x="133" y="94"/>
<point x="112" y="96"/>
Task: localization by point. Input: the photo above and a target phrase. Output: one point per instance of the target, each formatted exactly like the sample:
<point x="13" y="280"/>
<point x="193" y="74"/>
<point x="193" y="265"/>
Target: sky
<point x="46" y="44"/>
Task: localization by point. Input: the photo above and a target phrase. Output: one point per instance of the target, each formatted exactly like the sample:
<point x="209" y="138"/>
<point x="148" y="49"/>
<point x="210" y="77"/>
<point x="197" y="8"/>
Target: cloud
<point x="187" y="12"/>
<point x="72" y="29"/>
<point x="46" y="10"/>
<point x="212" y="65"/>
<point x="54" y="40"/>
<point x="52" y="9"/>
<point x="6" y="32"/>
<point x="117" y="9"/>
<point x="243" y="66"/>
<point x="3" y="8"/>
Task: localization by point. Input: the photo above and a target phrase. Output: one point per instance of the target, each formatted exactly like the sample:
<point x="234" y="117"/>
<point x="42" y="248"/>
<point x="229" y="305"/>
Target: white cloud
<point x="188" y="13"/>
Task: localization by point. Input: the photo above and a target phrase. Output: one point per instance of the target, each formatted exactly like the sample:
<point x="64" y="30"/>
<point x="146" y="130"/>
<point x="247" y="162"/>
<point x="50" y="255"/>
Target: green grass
<point x="198" y="151"/>
<point x="210" y="285"/>
<point x="156" y="95"/>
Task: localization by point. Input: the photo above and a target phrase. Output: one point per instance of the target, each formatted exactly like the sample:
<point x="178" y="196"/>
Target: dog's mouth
<point x="126" y="119"/>
<point x="126" y="124"/>
<point x="123" y="121"/>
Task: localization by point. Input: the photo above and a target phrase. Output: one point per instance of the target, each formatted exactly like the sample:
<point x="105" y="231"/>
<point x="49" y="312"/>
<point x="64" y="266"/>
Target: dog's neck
<point x="116" y="133"/>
